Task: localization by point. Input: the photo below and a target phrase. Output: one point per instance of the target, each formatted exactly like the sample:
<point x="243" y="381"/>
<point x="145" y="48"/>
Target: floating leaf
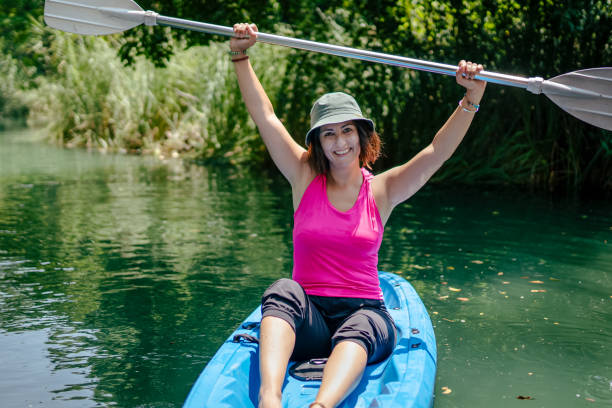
<point x="554" y="279"/>
<point x="443" y="297"/>
<point x="500" y="273"/>
<point x="450" y="268"/>
<point x="463" y="299"/>
<point x="446" y="390"/>
<point x="590" y="399"/>
<point x="524" y="397"/>
<point x="454" y="289"/>
<point x="506" y="282"/>
<point x="538" y="290"/>
<point x="477" y="262"/>
<point x="539" y="282"/>
<point x="419" y="267"/>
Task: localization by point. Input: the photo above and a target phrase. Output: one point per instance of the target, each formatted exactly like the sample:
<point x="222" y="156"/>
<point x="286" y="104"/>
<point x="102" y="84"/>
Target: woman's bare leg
<point x="342" y="373"/>
<point x="276" y="343"/>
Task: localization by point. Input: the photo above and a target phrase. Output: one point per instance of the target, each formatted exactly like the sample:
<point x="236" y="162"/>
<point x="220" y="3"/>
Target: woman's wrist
<point x="473" y="96"/>
<point x="238" y="55"/>
<point x="468" y="105"/>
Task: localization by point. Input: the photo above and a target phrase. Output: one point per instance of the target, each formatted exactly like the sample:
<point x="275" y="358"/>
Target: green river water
<point x="121" y="276"/>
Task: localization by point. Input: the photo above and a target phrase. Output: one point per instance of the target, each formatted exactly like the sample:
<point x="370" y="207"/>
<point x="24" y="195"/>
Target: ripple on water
<point x="532" y="342"/>
<point x="598" y="388"/>
<point x="42" y="372"/>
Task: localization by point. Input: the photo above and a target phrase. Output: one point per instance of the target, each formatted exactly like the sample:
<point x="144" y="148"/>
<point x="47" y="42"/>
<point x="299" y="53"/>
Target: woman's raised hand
<point x="246" y="35"/>
<point x="466" y="71"/>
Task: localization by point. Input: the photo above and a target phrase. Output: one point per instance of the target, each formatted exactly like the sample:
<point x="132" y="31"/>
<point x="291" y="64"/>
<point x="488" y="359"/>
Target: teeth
<point x="342" y="151"/>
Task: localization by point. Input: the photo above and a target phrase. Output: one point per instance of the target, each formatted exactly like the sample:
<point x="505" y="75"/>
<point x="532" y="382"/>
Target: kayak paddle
<point x="585" y="94"/>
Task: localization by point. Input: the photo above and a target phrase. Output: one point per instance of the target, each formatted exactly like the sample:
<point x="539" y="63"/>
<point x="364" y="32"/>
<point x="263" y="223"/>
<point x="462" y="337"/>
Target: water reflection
<point x="131" y="269"/>
<point x="121" y="276"/>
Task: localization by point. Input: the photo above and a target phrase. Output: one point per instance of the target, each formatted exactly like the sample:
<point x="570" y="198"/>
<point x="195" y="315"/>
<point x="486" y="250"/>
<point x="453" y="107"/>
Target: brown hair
<point x="369" y="143"/>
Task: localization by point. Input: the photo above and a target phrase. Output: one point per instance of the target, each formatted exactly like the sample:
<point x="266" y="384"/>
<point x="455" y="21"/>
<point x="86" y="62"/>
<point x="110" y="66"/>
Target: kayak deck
<point x="405" y="379"/>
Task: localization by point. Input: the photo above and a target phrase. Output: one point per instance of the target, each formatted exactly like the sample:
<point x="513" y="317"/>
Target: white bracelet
<point x="471" y="104"/>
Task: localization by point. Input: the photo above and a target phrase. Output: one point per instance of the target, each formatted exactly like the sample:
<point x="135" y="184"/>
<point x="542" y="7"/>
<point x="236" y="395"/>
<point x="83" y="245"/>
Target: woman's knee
<point x="285" y="289"/>
<point x="286" y="299"/>
<point x="373" y="329"/>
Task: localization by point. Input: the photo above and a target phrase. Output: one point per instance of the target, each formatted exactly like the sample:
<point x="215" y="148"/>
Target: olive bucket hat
<point x="334" y="107"/>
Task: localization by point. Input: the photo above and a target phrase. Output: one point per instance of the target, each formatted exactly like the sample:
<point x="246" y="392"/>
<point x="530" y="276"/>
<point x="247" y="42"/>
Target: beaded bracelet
<point x="476" y="107"/>
<point x="233" y="53"/>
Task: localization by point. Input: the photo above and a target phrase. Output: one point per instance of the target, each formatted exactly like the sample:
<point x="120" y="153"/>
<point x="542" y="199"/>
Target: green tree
<point x="15" y="23"/>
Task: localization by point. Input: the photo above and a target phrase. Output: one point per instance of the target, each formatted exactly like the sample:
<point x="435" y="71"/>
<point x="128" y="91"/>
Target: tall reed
<point x="190" y="107"/>
<point x="13" y="107"/>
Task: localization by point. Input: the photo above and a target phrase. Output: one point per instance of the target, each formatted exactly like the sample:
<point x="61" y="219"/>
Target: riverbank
<point x="188" y="105"/>
<point x="190" y="108"/>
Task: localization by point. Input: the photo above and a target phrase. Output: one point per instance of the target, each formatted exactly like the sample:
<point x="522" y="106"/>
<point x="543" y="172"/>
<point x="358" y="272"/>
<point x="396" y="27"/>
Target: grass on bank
<point x="13" y="107"/>
<point x="193" y="108"/>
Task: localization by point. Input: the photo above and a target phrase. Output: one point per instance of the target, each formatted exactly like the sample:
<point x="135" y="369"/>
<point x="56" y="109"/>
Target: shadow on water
<point x="121" y="276"/>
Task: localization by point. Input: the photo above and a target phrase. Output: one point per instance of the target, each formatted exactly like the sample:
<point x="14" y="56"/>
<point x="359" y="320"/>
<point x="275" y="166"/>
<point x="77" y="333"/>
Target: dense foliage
<point x="518" y="138"/>
<point x="14" y="37"/>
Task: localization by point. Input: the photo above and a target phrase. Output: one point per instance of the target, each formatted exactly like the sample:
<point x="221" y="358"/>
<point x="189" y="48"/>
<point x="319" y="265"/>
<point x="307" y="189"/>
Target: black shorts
<point x="321" y="322"/>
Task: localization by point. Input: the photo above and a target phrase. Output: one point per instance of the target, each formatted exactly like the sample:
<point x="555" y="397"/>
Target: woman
<point x="333" y="306"/>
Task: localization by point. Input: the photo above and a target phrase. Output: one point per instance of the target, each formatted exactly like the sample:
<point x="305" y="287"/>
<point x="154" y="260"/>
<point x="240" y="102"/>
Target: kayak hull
<point x="405" y="379"/>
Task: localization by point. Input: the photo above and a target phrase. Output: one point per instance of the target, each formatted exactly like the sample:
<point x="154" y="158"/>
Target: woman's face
<point x="340" y="143"/>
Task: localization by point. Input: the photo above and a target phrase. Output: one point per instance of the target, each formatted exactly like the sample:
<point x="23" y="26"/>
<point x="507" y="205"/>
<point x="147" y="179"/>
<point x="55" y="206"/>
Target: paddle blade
<point x="585" y="94"/>
<point x="95" y="17"/>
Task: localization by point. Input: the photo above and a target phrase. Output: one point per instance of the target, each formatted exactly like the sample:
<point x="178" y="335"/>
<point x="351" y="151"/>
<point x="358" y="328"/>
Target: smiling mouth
<point x="342" y="152"/>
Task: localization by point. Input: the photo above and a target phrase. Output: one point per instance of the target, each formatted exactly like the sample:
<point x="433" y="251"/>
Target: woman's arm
<point x="399" y="183"/>
<point x="289" y="156"/>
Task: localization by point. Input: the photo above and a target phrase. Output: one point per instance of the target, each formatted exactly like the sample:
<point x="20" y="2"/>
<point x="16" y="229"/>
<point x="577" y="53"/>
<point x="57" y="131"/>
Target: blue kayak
<point x="405" y="379"/>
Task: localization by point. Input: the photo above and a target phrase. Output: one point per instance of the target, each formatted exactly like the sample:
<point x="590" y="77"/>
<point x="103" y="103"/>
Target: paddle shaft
<point x="348" y="52"/>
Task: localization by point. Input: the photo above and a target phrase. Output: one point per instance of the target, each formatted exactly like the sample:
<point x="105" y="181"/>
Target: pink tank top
<point x="336" y="252"/>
